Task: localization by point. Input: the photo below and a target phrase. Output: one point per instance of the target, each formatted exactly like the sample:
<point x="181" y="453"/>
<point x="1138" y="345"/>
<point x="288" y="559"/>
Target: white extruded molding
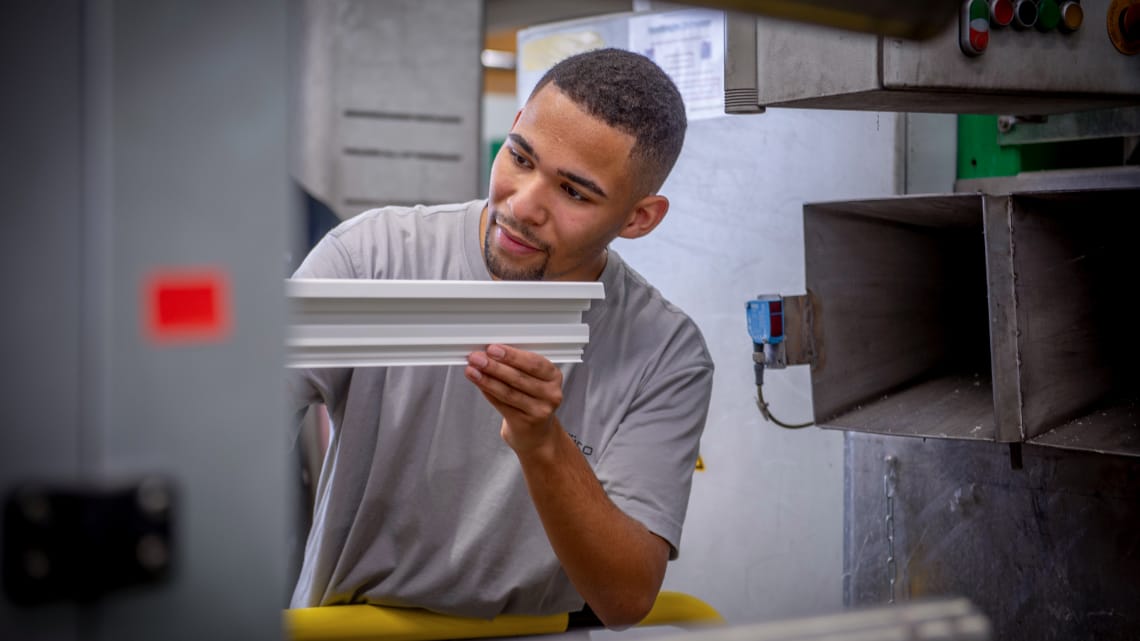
<point x="368" y="323"/>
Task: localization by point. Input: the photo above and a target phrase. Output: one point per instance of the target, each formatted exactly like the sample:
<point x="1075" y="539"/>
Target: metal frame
<point x="370" y="323"/>
<point x="982" y="316"/>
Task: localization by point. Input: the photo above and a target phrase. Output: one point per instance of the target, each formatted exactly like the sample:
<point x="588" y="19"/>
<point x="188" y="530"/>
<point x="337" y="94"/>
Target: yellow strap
<point x="375" y="623"/>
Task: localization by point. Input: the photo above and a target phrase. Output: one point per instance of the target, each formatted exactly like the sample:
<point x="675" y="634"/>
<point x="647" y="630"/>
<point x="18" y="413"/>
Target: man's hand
<point x="614" y="562"/>
<point x="526" y="389"/>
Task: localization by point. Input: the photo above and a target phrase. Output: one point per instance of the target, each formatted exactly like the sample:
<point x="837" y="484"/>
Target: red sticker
<point x="187" y="306"/>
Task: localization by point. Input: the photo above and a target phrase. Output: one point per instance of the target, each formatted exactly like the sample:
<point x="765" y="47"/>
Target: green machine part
<point x="980" y="155"/>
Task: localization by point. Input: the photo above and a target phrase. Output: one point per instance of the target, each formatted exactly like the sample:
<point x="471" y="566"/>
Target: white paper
<point x="689" y="46"/>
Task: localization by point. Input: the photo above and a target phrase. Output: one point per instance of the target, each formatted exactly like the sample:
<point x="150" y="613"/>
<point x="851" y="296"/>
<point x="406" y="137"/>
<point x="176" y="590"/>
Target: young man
<point x="513" y="485"/>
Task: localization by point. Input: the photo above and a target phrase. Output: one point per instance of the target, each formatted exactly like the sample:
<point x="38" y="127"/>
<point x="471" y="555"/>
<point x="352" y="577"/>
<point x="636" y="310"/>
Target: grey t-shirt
<point x="420" y="503"/>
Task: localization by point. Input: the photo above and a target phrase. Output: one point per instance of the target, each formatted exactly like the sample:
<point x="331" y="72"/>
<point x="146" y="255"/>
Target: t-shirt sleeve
<point x="329" y="259"/>
<point x="647" y="468"/>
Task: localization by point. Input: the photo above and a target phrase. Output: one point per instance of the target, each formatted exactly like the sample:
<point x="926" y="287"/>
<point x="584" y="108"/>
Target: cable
<point x="763" y="405"/>
<point x="758" y="373"/>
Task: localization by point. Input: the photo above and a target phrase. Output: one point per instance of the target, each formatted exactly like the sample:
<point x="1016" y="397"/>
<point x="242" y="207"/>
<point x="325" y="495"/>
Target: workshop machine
<point x="145" y="467"/>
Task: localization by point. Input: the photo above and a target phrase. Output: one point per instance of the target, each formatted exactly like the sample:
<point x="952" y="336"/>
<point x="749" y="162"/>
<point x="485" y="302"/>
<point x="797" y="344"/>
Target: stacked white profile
<point x="369" y="323"/>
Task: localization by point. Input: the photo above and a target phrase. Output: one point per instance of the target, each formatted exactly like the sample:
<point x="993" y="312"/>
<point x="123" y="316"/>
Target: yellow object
<point x="376" y="623"/>
<point x="677" y="608"/>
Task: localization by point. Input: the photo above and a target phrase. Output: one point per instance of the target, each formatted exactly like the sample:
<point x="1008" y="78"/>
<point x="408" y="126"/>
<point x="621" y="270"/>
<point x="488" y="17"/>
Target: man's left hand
<point x="525" y="387"/>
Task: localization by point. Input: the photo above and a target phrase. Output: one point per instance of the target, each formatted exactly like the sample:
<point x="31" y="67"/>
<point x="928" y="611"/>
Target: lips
<point x="513" y="244"/>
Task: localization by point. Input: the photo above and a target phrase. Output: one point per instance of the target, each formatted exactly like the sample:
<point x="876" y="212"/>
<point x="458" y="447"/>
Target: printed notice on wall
<point x="689" y="46"/>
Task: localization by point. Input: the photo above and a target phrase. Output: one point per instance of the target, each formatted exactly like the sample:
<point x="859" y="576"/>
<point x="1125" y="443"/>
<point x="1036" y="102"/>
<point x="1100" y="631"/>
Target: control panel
<point x="1001" y="56"/>
<point x="983" y="20"/>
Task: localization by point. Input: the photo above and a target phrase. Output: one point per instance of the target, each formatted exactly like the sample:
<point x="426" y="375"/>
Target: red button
<point x="974" y="27"/>
<point x="1001" y="12"/>
<point x="187" y="306"/>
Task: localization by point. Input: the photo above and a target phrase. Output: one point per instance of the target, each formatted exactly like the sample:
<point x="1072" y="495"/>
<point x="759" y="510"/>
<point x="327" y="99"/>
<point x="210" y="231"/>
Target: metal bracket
<point x="78" y="544"/>
<point x="799" y="330"/>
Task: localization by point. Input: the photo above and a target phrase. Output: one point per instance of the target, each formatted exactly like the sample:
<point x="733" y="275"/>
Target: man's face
<point x="560" y="191"/>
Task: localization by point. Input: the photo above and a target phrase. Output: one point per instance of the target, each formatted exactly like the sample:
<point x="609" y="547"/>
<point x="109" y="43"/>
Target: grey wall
<point x="763" y="538"/>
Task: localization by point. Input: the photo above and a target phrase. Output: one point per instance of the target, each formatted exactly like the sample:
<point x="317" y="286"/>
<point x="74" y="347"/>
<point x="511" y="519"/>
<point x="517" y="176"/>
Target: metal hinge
<point x="78" y="544"/>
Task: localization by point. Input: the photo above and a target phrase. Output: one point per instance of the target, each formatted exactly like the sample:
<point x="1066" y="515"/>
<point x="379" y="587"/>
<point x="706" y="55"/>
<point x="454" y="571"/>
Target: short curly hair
<point x="630" y="93"/>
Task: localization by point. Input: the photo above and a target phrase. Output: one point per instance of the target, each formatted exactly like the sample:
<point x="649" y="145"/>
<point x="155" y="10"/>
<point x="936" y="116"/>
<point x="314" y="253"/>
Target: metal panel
<point x="358" y="323"/>
<point x="1047" y="551"/>
<point x="41" y="253"/>
<point x="1111" y="428"/>
<point x="891" y="17"/>
<point x="794" y="61"/>
<point x="899" y="325"/>
<point x="198" y="180"/>
<point x="1022" y="72"/>
<point x="389" y="102"/>
<point x="1017" y="61"/>
<point x="930" y="167"/>
<point x="1065" y="179"/>
<point x="1083" y="125"/>
<point x="900" y="329"/>
<point x="1076" y="349"/>
<point x="1005" y="366"/>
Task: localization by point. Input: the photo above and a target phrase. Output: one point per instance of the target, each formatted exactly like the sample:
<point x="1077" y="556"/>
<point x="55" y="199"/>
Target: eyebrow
<point x="581" y="180"/>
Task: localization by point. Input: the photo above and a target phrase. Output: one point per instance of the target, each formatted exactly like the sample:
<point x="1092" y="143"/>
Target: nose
<point x="528" y="204"/>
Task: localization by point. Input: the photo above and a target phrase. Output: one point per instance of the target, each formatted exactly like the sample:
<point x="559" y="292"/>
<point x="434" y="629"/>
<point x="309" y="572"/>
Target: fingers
<point x="526" y="389"/>
<point x="533" y="364"/>
<point x="508" y="399"/>
<point x="522" y="380"/>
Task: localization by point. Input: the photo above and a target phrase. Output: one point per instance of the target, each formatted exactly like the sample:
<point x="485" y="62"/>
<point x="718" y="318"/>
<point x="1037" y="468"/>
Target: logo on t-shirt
<point x="587" y="450"/>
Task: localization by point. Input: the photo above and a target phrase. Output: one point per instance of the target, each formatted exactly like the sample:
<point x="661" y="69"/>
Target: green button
<point x="979" y="10"/>
<point x="1049" y="15"/>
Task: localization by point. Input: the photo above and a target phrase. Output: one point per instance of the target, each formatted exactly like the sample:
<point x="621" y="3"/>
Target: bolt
<point x="36" y="508"/>
<point x="152" y="553"/>
<point x="153" y="498"/>
<point x="36" y="564"/>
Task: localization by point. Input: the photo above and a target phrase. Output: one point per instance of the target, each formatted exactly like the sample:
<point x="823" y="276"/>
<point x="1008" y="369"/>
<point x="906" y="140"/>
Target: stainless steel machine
<point x="988" y="327"/>
<point x="1029" y="65"/>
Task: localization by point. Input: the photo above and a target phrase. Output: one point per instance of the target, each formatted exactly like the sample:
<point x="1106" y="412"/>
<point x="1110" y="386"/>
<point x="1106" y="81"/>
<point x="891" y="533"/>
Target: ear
<point x="646" y="215"/>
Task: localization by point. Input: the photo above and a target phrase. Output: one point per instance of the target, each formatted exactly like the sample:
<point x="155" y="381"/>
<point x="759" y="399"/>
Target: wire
<point x="763" y="405"/>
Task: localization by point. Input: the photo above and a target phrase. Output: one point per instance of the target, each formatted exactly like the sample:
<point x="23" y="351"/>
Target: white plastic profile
<point x="367" y="323"/>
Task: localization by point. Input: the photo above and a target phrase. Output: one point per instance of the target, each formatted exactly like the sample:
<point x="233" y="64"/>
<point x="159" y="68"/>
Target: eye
<point x="519" y="159"/>
<point x="574" y="194"/>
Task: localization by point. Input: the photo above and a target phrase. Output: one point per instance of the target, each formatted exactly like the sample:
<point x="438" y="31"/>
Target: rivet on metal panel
<point x="152" y="553"/>
<point x="35" y="508"/>
<point x="36" y="564"/>
<point x="153" y="497"/>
